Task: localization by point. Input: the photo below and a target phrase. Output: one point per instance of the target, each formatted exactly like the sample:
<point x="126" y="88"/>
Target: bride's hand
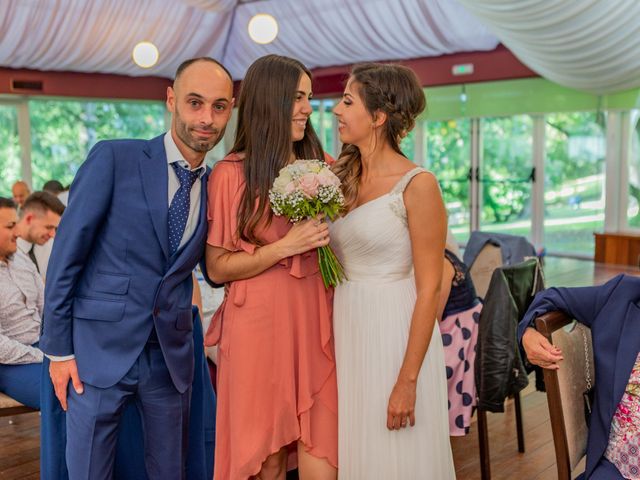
<point x="304" y="236"/>
<point x="402" y="403"/>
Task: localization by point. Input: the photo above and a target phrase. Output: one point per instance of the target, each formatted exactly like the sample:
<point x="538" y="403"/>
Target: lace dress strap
<point x="459" y="268"/>
<point x="462" y="295"/>
<point x="406" y="178"/>
<point x="397" y="202"/>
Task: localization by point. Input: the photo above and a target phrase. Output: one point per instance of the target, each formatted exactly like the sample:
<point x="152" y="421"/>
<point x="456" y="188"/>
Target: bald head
<point x="187" y="63"/>
<point x="20" y="192"/>
<point x="201" y="101"/>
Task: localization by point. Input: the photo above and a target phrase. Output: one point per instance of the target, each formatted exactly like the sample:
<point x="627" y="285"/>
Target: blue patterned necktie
<point x="179" y="208"/>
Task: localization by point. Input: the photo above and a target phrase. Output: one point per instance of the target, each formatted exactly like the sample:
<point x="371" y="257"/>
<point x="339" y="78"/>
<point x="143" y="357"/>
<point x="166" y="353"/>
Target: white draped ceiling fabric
<point x="338" y="32"/>
<point x="99" y="35"/>
<point x="212" y="5"/>
<point x="591" y="45"/>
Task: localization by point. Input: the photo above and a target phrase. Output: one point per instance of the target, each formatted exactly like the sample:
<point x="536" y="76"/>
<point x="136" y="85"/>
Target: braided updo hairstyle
<point x="394" y="90"/>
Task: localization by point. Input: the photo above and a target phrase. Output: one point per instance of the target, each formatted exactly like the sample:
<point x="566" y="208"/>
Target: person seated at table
<point x="37" y="225"/>
<point x="21" y="303"/>
<point x="459" y="312"/>
<point x="612" y="312"/>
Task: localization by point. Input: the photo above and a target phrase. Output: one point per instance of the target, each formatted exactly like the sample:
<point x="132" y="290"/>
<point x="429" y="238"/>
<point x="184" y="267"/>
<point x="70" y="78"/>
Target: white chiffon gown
<point x="371" y="319"/>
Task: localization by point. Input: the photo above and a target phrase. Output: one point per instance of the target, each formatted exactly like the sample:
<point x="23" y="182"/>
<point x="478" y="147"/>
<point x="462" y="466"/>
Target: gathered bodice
<point x="372" y="241"/>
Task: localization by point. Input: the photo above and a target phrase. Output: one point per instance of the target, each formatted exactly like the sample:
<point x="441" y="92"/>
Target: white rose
<point x="283" y="179"/>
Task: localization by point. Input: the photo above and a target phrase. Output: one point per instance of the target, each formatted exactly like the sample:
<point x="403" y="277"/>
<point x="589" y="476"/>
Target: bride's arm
<point x="225" y="266"/>
<point x="428" y="230"/>
<point x="448" y="272"/>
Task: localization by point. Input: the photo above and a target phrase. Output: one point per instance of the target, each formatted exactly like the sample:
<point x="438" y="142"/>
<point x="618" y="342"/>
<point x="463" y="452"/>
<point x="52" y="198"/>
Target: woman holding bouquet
<point x="276" y="371"/>
<point x="390" y="361"/>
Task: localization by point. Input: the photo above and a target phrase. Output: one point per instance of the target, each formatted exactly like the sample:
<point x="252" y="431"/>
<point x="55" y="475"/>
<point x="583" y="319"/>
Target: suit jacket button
<point x="156" y="311"/>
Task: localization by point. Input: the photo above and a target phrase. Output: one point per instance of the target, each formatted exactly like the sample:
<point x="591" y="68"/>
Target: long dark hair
<point x="265" y="113"/>
<point x="394" y="90"/>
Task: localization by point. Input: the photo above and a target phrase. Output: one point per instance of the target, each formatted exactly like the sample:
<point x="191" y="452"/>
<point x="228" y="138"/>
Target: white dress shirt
<point x="24" y="247"/>
<point x="174" y="155"/>
<point x="21" y="302"/>
<point x="41" y="252"/>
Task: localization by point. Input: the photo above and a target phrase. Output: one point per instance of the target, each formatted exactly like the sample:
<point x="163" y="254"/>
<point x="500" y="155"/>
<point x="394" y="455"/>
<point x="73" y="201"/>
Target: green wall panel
<point x="513" y="97"/>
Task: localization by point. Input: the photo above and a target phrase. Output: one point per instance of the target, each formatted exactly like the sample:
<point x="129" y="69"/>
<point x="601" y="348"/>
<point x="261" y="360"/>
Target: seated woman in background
<point x="612" y="312"/>
<point x="459" y="312"/>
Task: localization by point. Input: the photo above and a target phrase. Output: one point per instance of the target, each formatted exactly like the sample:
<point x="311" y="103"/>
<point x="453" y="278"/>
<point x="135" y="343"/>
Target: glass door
<point x="447" y="148"/>
<point x="633" y="201"/>
<point x="506" y="174"/>
<point x="10" y="151"/>
<point x="574" y="200"/>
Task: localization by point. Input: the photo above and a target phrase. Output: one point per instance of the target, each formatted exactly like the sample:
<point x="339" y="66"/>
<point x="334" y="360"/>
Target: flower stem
<point x="330" y="267"/>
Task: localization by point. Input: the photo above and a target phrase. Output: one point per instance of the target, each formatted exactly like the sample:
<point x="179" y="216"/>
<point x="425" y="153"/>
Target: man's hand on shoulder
<point x="61" y="373"/>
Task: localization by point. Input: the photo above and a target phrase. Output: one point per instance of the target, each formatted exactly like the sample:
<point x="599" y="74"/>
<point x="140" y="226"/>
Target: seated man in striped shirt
<point x="21" y="302"/>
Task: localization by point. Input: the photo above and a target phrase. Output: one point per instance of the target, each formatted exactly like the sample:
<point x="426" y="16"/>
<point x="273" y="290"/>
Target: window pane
<point x="63" y="132"/>
<point x="316" y="105"/>
<point x="408" y="146"/>
<point x="9" y="149"/>
<point x="447" y="155"/>
<point x="322" y="120"/>
<point x="633" y="206"/>
<point x="574" y="181"/>
<point x="329" y="120"/>
<point x="506" y="174"/>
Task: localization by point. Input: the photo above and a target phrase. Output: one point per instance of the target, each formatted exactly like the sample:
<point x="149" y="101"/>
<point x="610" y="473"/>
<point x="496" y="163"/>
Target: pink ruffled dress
<point x="276" y="364"/>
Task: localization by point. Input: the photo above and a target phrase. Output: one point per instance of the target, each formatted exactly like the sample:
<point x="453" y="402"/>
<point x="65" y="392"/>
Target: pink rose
<point x="309" y="184"/>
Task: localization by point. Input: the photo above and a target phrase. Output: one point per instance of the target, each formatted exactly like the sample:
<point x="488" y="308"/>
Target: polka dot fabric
<point x="459" y="337"/>
<point x="179" y="208"/>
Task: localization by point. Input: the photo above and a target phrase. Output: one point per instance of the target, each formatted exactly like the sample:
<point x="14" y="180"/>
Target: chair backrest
<point x="488" y="259"/>
<point x="565" y="388"/>
<point x="511" y="291"/>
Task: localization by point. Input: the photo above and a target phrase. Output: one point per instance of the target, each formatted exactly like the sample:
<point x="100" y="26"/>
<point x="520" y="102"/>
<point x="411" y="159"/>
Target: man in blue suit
<point x="118" y="320"/>
<point x="612" y="311"/>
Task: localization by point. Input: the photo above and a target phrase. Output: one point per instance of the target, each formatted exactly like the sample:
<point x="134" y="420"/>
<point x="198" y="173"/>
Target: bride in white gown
<point x="392" y="390"/>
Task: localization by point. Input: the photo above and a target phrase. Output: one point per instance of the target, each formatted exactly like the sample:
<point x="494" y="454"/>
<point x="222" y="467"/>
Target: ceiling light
<point x="263" y="28"/>
<point x="145" y="54"/>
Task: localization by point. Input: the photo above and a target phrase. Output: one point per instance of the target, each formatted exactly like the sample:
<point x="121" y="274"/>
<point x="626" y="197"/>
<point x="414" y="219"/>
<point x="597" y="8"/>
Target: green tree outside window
<point x="63" y="132"/>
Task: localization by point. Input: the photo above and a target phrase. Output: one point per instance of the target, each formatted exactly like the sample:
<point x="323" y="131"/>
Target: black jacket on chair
<point x="499" y="368"/>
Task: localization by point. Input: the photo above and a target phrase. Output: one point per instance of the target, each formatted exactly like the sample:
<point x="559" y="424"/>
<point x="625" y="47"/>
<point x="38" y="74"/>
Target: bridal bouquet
<point x="303" y="190"/>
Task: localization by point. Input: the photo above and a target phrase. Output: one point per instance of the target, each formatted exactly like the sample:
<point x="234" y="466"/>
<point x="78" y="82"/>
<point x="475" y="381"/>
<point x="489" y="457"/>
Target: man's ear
<point x="171" y="99"/>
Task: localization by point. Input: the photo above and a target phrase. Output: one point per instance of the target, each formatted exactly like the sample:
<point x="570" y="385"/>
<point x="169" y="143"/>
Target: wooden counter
<point x="618" y="248"/>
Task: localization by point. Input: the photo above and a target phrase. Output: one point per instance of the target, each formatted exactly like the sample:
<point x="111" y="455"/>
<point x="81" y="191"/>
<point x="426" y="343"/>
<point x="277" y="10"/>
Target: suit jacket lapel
<point x="155" y="183"/>
<point x="628" y="348"/>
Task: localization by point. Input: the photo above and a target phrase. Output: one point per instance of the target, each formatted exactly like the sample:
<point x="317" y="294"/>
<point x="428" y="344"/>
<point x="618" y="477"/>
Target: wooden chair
<point x="565" y="388"/>
<point x="523" y="280"/>
<point x="488" y="259"/>
<point x="10" y="407"/>
<point x="481" y="270"/>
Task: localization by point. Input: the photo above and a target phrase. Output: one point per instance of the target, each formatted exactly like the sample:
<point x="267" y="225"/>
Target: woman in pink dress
<point x="277" y="399"/>
<point x="459" y="313"/>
